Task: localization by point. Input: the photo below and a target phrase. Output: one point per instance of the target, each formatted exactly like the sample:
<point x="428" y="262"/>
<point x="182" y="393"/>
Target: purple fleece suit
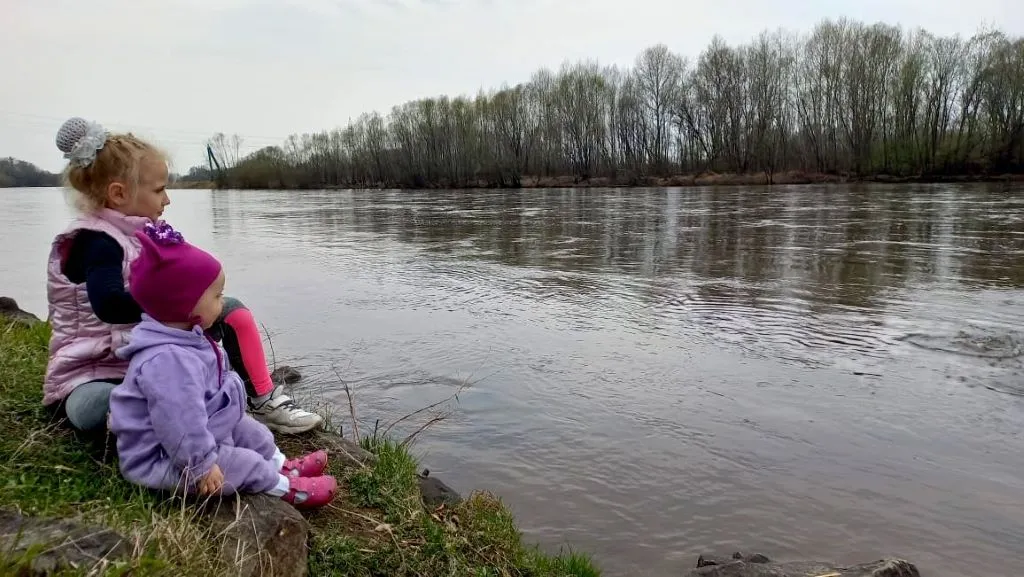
<point x="181" y="409"/>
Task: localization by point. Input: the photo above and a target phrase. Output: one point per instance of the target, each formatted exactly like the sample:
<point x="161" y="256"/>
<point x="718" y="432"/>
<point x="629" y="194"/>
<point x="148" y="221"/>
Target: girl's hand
<point x="212" y="482"/>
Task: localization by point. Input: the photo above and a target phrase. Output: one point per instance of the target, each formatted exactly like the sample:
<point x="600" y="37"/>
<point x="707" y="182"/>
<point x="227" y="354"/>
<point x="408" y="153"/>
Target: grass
<point x="377" y="526"/>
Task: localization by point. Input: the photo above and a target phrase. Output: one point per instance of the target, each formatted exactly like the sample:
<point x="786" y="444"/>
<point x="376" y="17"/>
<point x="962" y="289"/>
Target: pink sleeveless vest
<point x="82" y="346"/>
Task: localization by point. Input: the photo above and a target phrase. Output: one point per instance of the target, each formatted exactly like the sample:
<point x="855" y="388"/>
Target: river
<point x="807" y="372"/>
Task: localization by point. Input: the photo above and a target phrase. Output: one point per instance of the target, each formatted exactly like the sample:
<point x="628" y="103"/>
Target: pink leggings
<point x="237" y="330"/>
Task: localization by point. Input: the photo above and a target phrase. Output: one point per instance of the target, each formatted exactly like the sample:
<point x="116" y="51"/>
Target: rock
<point x="285" y="375"/>
<point x="435" y="492"/>
<point x="10" y="310"/>
<point x="261" y="535"/>
<point x="709" y="560"/>
<point x="760" y="566"/>
<point x="351" y="454"/>
<point x="58" y="544"/>
<point x="757" y="558"/>
<point x="342" y="452"/>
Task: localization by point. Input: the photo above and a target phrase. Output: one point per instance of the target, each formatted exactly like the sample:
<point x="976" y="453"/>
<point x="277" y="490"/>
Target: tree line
<point x="847" y="99"/>
<point x="14" y="172"/>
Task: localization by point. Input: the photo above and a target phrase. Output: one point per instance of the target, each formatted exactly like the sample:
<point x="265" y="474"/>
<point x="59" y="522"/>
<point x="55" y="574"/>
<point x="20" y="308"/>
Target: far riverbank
<point x="679" y="180"/>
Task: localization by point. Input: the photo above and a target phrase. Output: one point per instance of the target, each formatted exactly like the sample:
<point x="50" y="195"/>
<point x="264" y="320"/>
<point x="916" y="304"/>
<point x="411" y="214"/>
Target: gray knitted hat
<point x="79" y="140"/>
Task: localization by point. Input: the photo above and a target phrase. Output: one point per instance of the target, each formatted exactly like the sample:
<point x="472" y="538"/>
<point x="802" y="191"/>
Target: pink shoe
<point x="311" y="492"/>
<point x="311" y="465"/>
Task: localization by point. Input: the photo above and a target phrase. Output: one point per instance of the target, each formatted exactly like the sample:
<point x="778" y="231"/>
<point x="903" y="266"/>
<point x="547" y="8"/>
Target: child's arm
<point x="173" y="383"/>
<point x="96" y="259"/>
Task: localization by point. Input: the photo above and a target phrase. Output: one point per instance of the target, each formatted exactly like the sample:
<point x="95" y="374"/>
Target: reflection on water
<point x="863" y="239"/>
<point x="809" y="372"/>
<point x="801" y="271"/>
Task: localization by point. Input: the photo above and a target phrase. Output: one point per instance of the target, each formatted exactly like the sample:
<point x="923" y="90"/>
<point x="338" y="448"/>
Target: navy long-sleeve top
<point x="96" y="259"/>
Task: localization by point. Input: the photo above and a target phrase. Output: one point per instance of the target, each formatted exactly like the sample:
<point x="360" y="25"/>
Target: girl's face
<point x="149" y="199"/>
<point x="211" y="304"/>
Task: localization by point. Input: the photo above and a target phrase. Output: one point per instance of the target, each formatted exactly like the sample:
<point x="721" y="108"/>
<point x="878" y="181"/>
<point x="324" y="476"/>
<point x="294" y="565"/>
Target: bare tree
<point x="845" y="98"/>
<point x="227" y="149"/>
<point x="658" y="83"/>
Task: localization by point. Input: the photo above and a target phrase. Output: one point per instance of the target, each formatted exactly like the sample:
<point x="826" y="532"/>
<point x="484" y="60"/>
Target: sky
<point x="178" y="71"/>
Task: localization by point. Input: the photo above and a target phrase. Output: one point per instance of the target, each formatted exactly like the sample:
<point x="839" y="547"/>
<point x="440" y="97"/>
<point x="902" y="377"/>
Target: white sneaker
<point x="279" y="413"/>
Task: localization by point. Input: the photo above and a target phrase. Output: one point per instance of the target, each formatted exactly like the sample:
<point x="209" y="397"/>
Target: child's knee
<point x="253" y="435"/>
<point x="231" y="305"/>
<point x="246" y="470"/>
<point x="88" y="405"/>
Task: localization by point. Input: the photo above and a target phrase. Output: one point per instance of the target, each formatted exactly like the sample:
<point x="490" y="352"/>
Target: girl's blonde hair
<point x="117" y="158"/>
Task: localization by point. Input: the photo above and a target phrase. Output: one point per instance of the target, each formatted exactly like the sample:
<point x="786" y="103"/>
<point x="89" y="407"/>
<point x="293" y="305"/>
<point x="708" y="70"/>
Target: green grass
<point x="46" y="470"/>
<point x="378" y="525"/>
<point x="477" y="537"/>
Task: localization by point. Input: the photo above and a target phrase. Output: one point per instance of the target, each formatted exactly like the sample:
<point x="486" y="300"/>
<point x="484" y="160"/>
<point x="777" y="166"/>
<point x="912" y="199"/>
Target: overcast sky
<point x="179" y="70"/>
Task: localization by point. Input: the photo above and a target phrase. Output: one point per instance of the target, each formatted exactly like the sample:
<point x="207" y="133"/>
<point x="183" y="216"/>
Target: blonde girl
<point x="121" y="185"/>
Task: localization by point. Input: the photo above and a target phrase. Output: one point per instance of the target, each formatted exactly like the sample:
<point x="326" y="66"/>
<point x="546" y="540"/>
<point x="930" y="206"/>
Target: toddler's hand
<point x="212" y="482"/>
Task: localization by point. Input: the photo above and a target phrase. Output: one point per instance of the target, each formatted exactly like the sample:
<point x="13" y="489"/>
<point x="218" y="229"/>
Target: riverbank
<point x="679" y="180"/>
<point x="378" y="525"/>
<point x="192" y="184"/>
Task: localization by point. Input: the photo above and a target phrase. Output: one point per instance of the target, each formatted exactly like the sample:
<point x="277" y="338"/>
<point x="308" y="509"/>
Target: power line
<point x="42" y="119"/>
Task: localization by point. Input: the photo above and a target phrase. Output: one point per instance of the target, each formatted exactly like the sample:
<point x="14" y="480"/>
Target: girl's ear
<point x="117" y="194"/>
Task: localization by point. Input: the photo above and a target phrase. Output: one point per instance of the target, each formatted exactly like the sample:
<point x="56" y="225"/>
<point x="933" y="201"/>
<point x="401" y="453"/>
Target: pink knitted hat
<point x="170" y="275"/>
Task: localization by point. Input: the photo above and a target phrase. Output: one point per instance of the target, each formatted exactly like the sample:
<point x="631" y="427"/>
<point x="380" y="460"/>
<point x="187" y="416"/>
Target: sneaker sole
<point x="292" y="430"/>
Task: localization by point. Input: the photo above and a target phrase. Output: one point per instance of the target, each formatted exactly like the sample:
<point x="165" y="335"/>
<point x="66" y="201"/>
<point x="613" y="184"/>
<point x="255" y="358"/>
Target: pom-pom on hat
<point x="170" y="275"/>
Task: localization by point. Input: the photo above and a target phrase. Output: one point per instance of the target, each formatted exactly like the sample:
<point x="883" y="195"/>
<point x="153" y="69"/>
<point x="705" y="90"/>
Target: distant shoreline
<point x="681" y="180"/>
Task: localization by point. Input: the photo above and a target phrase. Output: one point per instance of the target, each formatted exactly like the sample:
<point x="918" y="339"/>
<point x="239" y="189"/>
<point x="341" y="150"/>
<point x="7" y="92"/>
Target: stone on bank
<point x="757" y="565"/>
<point x="10" y="310"/>
<point x="56" y="545"/>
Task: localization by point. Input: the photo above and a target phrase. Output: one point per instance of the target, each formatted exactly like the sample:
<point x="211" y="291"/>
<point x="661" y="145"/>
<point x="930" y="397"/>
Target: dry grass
<point x="378" y="525"/>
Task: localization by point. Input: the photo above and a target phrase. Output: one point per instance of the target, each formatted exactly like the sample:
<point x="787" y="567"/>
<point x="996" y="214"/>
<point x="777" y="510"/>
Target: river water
<point x="807" y="372"/>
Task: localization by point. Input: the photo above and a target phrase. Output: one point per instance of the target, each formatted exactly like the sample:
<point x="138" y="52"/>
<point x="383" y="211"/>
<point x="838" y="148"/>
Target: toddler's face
<point x="211" y="303"/>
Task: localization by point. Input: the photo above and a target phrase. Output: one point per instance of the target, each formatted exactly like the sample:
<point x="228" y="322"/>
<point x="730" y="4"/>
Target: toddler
<point x="180" y="413"/>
